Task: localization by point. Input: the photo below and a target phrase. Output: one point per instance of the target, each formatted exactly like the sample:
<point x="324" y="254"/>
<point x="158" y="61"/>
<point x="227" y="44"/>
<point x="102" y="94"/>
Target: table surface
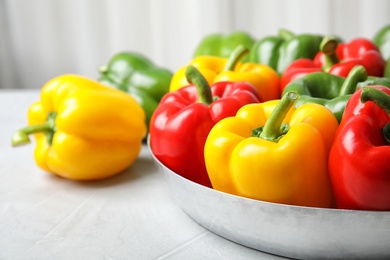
<point x="129" y="216"/>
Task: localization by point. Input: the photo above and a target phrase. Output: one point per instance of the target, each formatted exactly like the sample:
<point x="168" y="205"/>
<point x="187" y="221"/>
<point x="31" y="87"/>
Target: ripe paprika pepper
<point x="216" y="69"/>
<point x="279" y="51"/>
<point x="359" y="160"/>
<point x="338" y="59"/>
<point x="83" y="129"/>
<point x="136" y="75"/>
<point x="382" y="41"/>
<point x="330" y="90"/>
<point x="183" y="119"/>
<point x="273" y="152"/>
<point x="220" y="45"/>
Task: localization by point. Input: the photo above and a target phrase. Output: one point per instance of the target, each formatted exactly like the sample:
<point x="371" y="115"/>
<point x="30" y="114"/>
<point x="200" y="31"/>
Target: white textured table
<point x="129" y="216"/>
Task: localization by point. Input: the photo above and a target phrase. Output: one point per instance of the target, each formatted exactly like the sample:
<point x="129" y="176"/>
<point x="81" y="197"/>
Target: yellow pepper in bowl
<point x="274" y="152"/>
<point x="216" y="69"/>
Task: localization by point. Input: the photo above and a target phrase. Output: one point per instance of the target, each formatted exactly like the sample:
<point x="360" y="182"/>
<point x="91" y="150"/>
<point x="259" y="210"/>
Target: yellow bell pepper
<point x="208" y="66"/>
<point x="216" y="69"/>
<point x="83" y="129"/>
<point x="274" y="152"/>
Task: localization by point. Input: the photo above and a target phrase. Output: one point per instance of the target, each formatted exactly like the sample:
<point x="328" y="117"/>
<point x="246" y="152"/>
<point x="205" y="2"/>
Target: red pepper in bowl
<point x="182" y="121"/>
<point x="359" y="160"/>
<point x="338" y="59"/>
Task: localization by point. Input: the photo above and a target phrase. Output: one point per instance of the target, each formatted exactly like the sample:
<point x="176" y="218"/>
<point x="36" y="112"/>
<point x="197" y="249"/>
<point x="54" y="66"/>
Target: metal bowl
<point x="285" y="230"/>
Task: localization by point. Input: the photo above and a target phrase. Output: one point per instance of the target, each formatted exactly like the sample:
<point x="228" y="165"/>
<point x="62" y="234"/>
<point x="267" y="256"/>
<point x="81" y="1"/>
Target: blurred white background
<point x="41" y="39"/>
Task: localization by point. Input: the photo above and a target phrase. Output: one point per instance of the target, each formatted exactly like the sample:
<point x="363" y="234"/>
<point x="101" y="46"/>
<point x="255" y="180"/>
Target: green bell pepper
<point x="330" y="90"/>
<point x="387" y="69"/>
<point x="138" y="76"/>
<point x="223" y="45"/>
<point x="279" y="51"/>
<point x="382" y="41"/>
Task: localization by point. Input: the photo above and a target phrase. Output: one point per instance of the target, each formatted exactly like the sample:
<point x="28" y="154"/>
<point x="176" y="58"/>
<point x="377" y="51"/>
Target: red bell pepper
<point x="338" y="59"/>
<point x="182" y="121"/>
<point x="359" y="160"/>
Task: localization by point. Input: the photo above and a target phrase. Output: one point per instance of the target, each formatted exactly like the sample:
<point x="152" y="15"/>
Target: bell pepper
<point x="83" y="129"/>
<point x="183" y="119"/>
<point x="216" y="69"/>
<point x="359" y="160"/>
<point x="382" y="41"/>
<point x="274" y="152"/>
<point x="138" y="76"/>
<point x="220" y="45"/>
<point x="279" y="51"/>
<point x="330" y="90"/>
<point x="338" y="59"/>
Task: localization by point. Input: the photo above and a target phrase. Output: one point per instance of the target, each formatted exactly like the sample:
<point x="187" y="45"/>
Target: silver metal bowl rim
<point x="347" y="211"/>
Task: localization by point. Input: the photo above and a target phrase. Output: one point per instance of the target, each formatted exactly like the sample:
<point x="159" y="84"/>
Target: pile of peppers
<point x="298" y="119"/>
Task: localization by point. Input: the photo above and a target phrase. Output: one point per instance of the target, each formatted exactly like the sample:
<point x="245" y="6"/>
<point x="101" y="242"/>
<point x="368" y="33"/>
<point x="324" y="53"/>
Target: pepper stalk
<point x="202" y="86"/>
<point x="273" y="130"/>
<point x="382" y="100"/>
<point x="356" y="75"/>
<point x="328" y="46"/>
<point x="235" y="57"/>
<point x="21" y="136"/>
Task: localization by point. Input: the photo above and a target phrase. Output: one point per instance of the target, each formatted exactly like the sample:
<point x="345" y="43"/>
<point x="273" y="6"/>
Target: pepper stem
<point x="202" y="86"/>
<point x="356" y="75"/>
<point x="272" y="129"/>
<point x="285" y="34"/>
<point x="235" y="57"/>
<point x="386" y="132"/>
<point x="103" y="69"/>
<point x="21" y="137"/>
<point x="381" y="99"/>
<point x="328" y="46"/>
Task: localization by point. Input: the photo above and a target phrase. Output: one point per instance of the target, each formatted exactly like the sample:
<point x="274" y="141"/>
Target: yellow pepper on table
<point x="83" y="129"/>
<point x="274" y="152"/>
<point x="216" y="69"/>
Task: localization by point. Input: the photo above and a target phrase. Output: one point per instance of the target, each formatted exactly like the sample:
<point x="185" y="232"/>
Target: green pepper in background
<point x="222" y="45"/>
<point x="387" y="69"/>
<point x="382" y="41"/>
<point x="279" y="51"/>
<point x="330" y="90"/>
<point x="138" y="76"/>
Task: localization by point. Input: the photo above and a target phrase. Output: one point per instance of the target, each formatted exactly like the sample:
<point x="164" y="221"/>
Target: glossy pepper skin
<point x="359" y="160"/>
<point x="216" y="69"/>
<point x="138" y="76"/>
<point x="274" y="152"/>
<point x="83" y="129"/>
<point x="382" y="41"/>
<point x="330" y="90"/>
<point x="220" y="45"/>
<point x="279" y="51"/>
<point x="338" y="59"/>
<point x="181" y="123"/>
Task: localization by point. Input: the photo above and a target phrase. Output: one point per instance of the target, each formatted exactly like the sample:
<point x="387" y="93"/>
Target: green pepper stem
<point x="285" y="34"/>
<point x="386" y="132"/>
<point x="103" y="69"/>
<point x="21" y="137"/>
<point x="356" y="75"/>
<point x="235" y="57"/>
<point x="328" y="46"/>
<point x="380" y="98"/>
<point x="202" y="86"/>
<point x="272" y="128"/>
